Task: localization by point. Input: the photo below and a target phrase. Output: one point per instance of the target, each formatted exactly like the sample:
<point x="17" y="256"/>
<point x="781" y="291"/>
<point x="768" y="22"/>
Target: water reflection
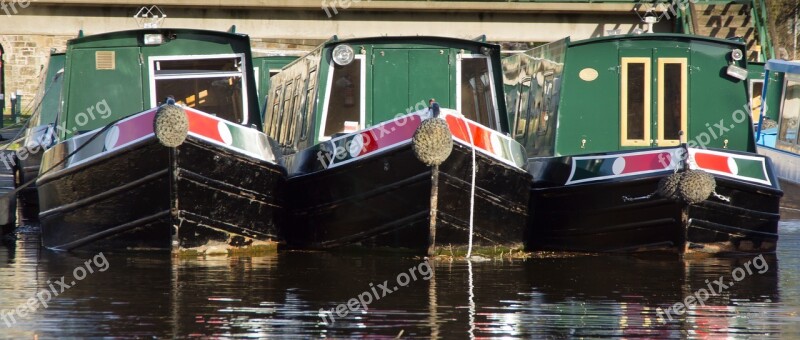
<point x="554" y="297"/>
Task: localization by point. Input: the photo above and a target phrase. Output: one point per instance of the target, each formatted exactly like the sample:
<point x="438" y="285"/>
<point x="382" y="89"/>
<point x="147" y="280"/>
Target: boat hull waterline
<point x="608" y="207"/>
<point x="379" y="194"/>
<point x="124" y="190"/>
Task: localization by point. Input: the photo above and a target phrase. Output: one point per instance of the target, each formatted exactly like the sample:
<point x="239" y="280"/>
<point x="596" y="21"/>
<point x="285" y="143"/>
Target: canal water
<point x="291" y="295"/>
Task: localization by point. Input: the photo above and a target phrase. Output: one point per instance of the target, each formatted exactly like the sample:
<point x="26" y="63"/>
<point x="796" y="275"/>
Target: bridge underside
<point x="299" y="20"/>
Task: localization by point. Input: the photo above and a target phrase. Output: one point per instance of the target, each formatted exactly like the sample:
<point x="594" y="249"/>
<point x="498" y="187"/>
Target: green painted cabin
<point x="313" y="98"/>
<point x="628" y="92"/>
<point x="113" y="75"/>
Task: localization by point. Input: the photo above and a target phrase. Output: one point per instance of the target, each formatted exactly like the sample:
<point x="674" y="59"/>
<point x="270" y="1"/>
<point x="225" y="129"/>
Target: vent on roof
<point x="105" y="60"/>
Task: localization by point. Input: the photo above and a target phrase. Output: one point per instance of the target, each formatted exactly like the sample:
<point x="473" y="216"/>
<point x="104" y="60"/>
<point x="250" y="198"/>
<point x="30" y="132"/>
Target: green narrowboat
<point x="38" y="136"/>
<point x="398" y="142"/>
<point x="642" y="143"/>
<point x="159" y="147"/>
<point x="778" y="127"/>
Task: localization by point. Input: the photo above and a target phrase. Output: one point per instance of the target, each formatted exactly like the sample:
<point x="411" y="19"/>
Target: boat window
<point x="309" y="100"/>
<point x="547" y="111"/>
<point x="635" y="101"/>
<point x="522" y="110"/>
<point x="286" y="112"/>
<point x="672" y="100"/>
<point x="276" y="107"/>
<point x="296" y="104"/>
<point x="344" y="104"/>
<point x="211" y="85"/>
<point x="790" y="116"/>
<point x="756" y="87"/>
<point x="477" y="98"/>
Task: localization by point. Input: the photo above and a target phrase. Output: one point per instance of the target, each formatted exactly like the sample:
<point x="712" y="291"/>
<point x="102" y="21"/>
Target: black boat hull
<point x="197" y="197"/>
<point x="385" y="201"/>
<point x="625" y="214"/>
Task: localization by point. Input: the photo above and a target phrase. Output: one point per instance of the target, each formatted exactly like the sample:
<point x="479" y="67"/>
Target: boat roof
<point x="407" y="39"/>
<point x="784" y="66"/>
<point x="658" y="36"/>
<point x="480" y="42"/>
<point x="137" y="32"/>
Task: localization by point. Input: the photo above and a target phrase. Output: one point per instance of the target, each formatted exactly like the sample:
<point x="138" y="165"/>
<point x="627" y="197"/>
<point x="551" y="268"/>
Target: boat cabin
<point x="344" y="86"/>
<point x="629" y="92"/>
<point x="114" y="75"/>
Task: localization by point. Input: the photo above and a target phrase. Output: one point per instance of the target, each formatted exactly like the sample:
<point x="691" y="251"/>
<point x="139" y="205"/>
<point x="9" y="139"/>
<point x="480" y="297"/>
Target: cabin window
<point x="790" y="117"/>
<point x="672" y="100"/>
<point x="214" y="85"/>
<point x="344" y="103"/>
<point x="309" y="100"/>
<point x="544" y="114"/>
<point x="286" y="112"/>
<point x="476" y="100"/>
<point x="276" y="107"/>
<point x="292" y="116"/>
<point x="635" y="101"/>
<point x="522" y="110"/>
<point x="756" y="87"/>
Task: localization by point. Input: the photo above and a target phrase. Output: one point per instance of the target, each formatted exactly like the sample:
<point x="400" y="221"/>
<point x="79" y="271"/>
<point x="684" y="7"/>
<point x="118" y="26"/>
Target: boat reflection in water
<point x="279" y="296"/>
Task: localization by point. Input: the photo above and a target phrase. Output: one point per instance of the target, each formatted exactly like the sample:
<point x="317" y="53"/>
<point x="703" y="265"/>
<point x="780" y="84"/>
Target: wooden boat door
<point x="654" y="95"/>
<point x="403" y="80"/>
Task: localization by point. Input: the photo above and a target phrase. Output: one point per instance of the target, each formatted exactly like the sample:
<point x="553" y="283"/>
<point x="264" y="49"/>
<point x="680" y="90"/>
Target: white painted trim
<point x="693" y="165"/>
<point x="492" y="88"/>
<point x="326" y="102"/>
<point x="243" y="74"/>
<point x="670" y="167"/>
<point x="363" y="114"/>
<point x="362" y="92"/>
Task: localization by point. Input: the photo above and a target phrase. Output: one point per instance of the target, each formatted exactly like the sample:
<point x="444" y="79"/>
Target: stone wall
<point x="25" y="59"/>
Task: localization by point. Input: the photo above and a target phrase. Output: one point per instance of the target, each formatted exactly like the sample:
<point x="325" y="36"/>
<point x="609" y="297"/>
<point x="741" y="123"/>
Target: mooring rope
<point x="472" y="190"/>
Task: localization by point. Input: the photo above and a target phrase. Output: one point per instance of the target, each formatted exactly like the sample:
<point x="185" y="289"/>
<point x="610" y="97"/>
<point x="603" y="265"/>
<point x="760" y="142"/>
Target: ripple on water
<point x="280" y="296"/>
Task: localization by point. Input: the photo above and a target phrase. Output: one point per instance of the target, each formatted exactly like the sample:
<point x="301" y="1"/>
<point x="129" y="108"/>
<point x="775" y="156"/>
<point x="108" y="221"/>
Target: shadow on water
<point x="280" y="296"/>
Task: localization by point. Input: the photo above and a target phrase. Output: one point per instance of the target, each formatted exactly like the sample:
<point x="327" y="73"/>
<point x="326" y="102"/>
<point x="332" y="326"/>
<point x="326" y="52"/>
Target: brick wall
<point x="25" y="59"/>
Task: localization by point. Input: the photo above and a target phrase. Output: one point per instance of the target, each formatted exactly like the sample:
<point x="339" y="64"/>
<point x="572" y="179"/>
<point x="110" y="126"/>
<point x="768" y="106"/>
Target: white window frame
<point x="243" y="74"/>
<point x="459" y="58"/>
<point x="363" y="94"/>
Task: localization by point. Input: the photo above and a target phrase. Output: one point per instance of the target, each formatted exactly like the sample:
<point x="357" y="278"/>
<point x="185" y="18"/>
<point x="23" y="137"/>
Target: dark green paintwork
<point x="126" y="89"/>
<point x="590" y="110"/>
<point x="410" y="70"/>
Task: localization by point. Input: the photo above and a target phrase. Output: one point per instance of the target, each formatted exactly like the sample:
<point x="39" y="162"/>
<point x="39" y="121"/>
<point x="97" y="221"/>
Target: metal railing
<point x="758" y="10"/>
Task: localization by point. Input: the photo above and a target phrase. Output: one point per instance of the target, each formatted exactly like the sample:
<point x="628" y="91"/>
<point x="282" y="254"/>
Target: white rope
<point x="472" y="192"/>
<point x="472" y="306"/>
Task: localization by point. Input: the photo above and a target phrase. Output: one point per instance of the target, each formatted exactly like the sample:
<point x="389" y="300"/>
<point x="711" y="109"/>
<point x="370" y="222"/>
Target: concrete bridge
<point x="29" y="29"/>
